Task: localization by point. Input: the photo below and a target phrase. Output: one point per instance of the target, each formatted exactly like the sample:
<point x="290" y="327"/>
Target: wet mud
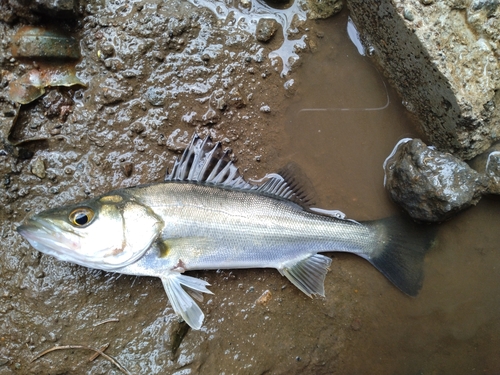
<point x="153" y="80"/>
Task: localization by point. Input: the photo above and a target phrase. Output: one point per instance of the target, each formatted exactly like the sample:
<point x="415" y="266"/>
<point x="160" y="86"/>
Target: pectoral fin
<point x="181" y="301"/>
<point x="308" y="274"/>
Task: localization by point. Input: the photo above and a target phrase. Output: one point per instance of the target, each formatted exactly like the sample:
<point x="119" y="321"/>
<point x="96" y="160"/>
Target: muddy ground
<point x="155" y="74"/>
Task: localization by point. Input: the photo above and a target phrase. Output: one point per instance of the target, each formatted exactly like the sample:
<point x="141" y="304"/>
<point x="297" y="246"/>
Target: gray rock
<point x="443" y="60"/>
<point x="489" y="164"/>
<point x="493" y="172"/>
<point x="266" y="28"/>
<point x="155" y="96"/>
<point x="431" y="185"/>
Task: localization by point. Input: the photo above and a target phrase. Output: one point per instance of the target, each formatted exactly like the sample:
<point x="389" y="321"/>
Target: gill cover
<point x="108" y="232"/>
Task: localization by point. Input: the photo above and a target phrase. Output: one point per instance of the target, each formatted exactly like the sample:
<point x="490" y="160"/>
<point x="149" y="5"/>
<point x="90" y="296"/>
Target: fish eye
<point x="80" y="217"/>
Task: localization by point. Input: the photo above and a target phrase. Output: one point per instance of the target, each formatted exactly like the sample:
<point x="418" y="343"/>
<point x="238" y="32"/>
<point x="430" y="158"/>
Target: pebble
<point x="128" y="169"/>
<point x="107" y="49"/>
<point x="266" y="28"/>
<point x="138" y="127"/>
<point x="38" y="168"/>
<point x="408" y="15"/>
<point x="155" y="96"/>
<point x="264" y="299"/>
<point x="265" y="109"/>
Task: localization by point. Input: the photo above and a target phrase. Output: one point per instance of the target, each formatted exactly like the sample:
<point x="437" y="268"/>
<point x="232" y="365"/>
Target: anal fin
<point x="181" y="301"/>
<point x="308" y="274"/>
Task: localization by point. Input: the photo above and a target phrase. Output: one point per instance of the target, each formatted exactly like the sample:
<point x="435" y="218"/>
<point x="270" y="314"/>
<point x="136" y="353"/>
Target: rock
<point x="493" y="172"/>
<point x="110" y="95"/>
<point x="266" y="28"/>
<point x="127" y="168"/>
<point x="57" y="104"/>
<point x="156" y="96"/>
<point x="246" y="3"/>
<point x="323" y="8"/>
<point x="106" y="49"/>
<point x="38" y="168"/>
<point x="264" y="298"/>
<point x="489" y="164"/>
<point x="431" y="185"/>
<point x="138" y="127"/>
<point x="442" y="57"/>
<point x="265" y="108"/>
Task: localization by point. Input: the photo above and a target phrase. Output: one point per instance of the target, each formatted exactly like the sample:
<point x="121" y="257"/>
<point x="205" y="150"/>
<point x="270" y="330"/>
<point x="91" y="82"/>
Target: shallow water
<point x="338" y="122"/>
<point x="340" y="131"/>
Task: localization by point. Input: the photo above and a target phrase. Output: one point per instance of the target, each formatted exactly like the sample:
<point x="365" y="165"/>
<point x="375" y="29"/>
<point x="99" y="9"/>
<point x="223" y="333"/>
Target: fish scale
<point x="207" y="216"/>
<point x="246" y="229"/>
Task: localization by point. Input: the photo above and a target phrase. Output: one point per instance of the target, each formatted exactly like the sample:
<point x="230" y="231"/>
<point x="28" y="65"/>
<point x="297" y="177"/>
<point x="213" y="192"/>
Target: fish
<point x="205" y="215"/>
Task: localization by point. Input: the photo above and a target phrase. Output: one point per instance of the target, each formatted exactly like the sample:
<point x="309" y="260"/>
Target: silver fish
<point x="206" y="216"/>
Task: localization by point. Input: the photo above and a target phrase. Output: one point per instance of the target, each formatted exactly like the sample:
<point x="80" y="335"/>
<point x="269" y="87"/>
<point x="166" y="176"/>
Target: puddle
<point x="343" y="125"/>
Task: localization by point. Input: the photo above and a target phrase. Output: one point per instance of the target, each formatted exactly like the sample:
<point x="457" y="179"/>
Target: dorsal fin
<point x="299" y="183"/>
<point x="204" y="162"/>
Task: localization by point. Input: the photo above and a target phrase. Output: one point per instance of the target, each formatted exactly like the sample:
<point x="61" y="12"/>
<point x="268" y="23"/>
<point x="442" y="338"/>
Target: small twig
<point x="109" y="358"/>
<point x="96" y="354"/>
<point x="106" y="321"/>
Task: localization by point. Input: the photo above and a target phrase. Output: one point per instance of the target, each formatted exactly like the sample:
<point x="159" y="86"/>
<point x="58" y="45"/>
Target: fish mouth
<point x="49" y="238"/>
<point x="57" y="239"/>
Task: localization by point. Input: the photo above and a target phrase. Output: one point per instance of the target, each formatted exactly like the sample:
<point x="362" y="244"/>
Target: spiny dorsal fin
<point x="205" y="162"/>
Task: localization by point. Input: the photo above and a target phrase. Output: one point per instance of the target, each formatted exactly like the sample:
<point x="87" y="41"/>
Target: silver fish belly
<point x="206" y="216"/>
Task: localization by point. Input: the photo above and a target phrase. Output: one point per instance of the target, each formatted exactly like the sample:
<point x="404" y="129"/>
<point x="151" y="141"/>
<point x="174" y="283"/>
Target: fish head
<point x="108" y="232"/>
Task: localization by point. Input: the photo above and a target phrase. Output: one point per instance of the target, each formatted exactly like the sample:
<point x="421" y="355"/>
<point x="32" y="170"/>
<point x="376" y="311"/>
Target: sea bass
<point x="207" y="216"/>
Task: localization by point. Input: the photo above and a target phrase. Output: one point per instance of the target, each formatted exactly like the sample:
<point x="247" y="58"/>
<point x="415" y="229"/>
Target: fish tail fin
<point x="400" y="253"/>
<point x="181" y="301"/>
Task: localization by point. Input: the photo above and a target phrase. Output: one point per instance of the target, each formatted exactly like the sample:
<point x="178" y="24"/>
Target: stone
<point x="443" y="61"/>
<point x="57" y="104"/>
<point x="431" y="185"/>
<point x="319" y="9"/>
<point x="493" y="172"/>
<point x="489" y="164"/>
<point x="38" y="168"/>
<point x="156" y="96"/>
<point x="266" y="28"/>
